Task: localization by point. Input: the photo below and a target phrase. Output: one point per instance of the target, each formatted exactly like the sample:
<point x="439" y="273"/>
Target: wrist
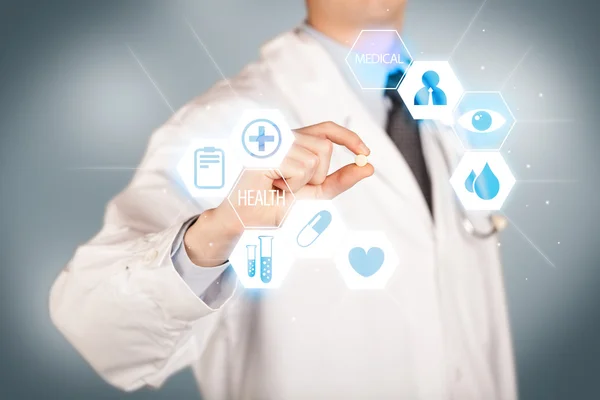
<point x="227" y="219"/>
<point x="210" y="240"/>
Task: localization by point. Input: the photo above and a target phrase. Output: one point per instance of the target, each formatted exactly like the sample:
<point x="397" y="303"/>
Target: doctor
<point x="153" y="292"/>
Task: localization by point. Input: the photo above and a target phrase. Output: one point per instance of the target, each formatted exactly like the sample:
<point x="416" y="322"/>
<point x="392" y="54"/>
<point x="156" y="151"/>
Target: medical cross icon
<point x="261" y="138"/>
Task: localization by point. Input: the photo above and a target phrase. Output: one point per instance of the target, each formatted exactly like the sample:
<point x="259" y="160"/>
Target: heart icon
<point x="366" y="263"/>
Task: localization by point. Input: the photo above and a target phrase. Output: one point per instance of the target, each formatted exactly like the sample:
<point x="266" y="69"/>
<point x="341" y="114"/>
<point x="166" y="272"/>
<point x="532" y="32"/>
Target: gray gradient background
<point x="72" y="96"/>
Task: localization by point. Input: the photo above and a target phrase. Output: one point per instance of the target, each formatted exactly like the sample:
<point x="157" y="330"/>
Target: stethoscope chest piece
<point x="497" y="224"/>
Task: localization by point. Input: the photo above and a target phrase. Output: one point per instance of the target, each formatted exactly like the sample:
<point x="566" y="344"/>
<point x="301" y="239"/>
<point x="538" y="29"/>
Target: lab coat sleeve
<point x="120" y="301"/>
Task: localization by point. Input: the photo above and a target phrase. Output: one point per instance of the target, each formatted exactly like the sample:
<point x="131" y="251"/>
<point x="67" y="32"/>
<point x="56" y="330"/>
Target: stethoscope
<point x="497" y="225"/>
<point x="497" y="222"/>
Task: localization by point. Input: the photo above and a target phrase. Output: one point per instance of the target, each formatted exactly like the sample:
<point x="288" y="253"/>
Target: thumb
<point x="344" y="178"/>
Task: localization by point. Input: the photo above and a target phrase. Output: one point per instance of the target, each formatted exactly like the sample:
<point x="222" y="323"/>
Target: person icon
<point x="430" y="94"/>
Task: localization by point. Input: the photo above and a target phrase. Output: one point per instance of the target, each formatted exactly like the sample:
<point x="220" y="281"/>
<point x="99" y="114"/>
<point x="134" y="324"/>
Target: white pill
<point x="361" y="160"/>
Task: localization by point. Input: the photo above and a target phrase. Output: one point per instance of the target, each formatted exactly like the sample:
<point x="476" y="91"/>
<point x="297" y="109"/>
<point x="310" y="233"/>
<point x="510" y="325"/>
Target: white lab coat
<point x="439" y="330"/>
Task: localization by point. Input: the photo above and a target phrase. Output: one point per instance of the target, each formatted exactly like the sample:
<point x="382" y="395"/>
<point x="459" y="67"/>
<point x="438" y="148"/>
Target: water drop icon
<point x="470" y="180"/>
<point x="486" y="185"/>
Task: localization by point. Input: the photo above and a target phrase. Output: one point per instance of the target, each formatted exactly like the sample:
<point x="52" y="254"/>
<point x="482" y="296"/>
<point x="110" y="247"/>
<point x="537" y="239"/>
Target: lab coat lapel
<point x="439" y="165"/>
<point x="317" y="92"/>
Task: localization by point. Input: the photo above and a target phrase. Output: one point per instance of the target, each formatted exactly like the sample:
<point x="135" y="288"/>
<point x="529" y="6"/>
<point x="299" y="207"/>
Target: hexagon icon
<point x="483" y="120"/>
<point x="260" y="259"/>
<point x="366" y="259"/>
<point x="209" y="168"/>
<point x="262" y="138"/>
<point x="314" y="229"/>
<point x="430" y="90"/>
<point x="374" y="55"/>
<point x="482" y="180"/>
<point x="249" y="197"/>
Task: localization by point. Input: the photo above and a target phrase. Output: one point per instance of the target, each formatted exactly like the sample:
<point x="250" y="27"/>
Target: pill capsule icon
<point x="315" y="227"/>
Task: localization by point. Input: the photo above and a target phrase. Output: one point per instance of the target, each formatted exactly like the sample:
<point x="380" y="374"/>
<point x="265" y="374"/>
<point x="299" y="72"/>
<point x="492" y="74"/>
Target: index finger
<point x="338" y="135"/>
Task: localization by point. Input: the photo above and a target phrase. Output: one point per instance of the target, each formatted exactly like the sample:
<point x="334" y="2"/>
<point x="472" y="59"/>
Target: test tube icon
<point x="266" y="258"/>
<point x="251" y="255"/>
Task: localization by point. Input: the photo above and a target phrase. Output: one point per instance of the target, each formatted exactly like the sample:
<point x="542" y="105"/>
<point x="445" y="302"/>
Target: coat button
<point x="151" y="255"/>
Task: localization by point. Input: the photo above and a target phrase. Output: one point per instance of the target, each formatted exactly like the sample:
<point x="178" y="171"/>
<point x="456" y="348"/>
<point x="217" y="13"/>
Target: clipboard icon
<point x="209" y="168"/>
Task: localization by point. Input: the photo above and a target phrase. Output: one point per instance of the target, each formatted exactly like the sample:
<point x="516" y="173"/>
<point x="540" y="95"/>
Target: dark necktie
<point x="404" y="132"/>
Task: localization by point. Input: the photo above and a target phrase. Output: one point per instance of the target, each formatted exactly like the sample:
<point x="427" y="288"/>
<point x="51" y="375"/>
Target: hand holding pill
<point x="304" y="172"/>
<point x="261" y="198"/>
<point x="320" y="139"/>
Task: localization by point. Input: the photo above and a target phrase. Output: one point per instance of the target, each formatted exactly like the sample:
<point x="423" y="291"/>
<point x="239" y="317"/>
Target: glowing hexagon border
<point x="379" y="30"/>
<point x="290" y="232"/>
<point x="239" y="268"/>
<point x="276" y="117"/>
<point x="341" y="262"/>
<point x="284" y="181"/>
<point x="448" y="117"/>
<point x="185" y="179"/>
<point x="507" y="107"/>
<point x="457" y="182"/>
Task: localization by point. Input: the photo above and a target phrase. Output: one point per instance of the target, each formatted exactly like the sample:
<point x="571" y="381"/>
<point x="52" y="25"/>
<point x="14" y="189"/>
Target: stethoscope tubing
<point x="464" y="220"/>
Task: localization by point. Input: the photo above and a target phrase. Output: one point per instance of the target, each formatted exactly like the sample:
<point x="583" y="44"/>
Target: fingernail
<point x="364" y="149"/>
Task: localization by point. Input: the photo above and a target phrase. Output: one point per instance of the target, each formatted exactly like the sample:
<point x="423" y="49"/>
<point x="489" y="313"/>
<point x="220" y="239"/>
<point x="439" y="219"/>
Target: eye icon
<point x="482" y="121"/>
